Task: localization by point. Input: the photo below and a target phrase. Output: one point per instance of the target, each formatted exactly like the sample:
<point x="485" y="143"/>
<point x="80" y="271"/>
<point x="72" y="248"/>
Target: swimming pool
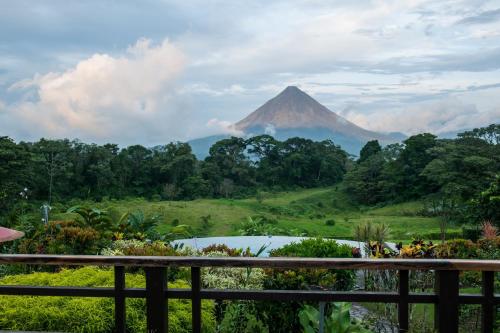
<point x="253" y="242"/>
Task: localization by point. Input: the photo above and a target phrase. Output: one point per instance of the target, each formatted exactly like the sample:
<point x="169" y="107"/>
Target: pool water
<point x="255" y="243"/>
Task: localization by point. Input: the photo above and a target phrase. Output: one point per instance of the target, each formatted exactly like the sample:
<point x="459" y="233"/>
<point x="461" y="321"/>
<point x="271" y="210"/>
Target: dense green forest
<point x="458" y="177"/>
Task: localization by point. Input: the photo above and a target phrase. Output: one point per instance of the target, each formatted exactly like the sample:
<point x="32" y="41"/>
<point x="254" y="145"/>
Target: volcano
<point x="293" y="113"/>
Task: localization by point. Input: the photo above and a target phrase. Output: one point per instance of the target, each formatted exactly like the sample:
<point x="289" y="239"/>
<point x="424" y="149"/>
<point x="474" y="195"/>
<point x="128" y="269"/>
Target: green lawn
<point x="305" y="209"/>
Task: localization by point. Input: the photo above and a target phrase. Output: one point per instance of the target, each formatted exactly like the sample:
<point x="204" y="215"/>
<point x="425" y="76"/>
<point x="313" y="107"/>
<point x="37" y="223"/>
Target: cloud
<point x="270" y="130"/>
<point x="448" y="115"/>
<point x="381" y="57"/>
<point x="104" y="98"/>
<point x="217" y="126"/>
<point x="487" y="16"/>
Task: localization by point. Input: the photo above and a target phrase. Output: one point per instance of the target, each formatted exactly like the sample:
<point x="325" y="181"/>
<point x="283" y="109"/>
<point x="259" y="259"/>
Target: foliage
<point x="223" y="248"/>
<point x="231" y="278"/>
<point x="370" y="148"/>
<point x="94" y="218"/>
<point x="137" y="225"/>
<point x="330" y="222"/>
<point x="72" y="314"/>
<point x="284" y="317"/>
<point x="486" y="205"/>
<point x="62" y="237"/>
<point x="240" y="317"/>
<point x="258" y="226"/>
<point x="139" y="248"/>
<point x="489" y="230"/>
<point x="456" y="176"/>
<point x="337" y="321"/>
<point x="418" y="248"/>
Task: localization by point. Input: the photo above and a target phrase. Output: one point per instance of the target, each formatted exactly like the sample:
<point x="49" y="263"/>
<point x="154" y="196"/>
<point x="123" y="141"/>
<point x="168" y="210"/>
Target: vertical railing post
<point x="488" y="306"/>
<point x="447" y="289"/>
<point x="196" y="299"/>
<point x="119" y="299"/>
<point x="156" y="301"/>
<point x="403" y="301"/>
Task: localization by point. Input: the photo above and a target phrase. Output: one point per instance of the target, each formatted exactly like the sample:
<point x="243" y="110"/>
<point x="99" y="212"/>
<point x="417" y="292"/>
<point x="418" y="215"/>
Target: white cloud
<point x="217" y="126"/>
<point x="443" y="116"/>
<point x="270" y="129"/>
<point x="104" y="98"/>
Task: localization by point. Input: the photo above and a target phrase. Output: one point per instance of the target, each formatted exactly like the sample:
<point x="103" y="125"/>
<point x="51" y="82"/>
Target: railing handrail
<point x="257" y="262"/>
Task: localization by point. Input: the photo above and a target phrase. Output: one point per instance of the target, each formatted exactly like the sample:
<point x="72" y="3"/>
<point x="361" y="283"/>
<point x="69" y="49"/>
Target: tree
<point x="486" y="206"/>
<point x="364" y="182"/>
<point x="54" y="156"/>
<point x="15" y="171"/>
<point x="228" y="160"/>
<point x="490" y="134"/>
<point x="370" y="148"/>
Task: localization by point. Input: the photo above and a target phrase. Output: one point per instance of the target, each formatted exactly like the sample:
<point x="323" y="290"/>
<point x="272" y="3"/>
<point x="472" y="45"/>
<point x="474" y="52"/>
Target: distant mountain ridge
<point x="294" y="113"/>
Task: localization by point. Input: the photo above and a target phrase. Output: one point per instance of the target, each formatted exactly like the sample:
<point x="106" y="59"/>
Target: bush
<point x="330" y="222"/>
<point x="62" y="237"/>
<point x="437" y="235"/>
<point x="284" y="317"/>
<point x="457" y="249"/>
<point x="72" y="314"/>
<point x="471" y="233"/>
<point x="135" y="247"/>
<point x="240" y="317"/>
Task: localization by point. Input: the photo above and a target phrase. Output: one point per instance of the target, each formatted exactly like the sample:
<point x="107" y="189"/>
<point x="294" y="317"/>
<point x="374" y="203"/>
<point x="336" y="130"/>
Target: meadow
<point x="302" y="211"/>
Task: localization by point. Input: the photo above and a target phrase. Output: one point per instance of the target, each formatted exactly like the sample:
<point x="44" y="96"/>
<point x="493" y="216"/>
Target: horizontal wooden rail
<point x="446" y="297"/>
<point x="275" y="262"/>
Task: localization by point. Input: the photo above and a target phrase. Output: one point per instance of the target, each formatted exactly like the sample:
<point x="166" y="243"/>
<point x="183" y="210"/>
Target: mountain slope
<point x="293" y="108"/>
<point x="293" y="113"/>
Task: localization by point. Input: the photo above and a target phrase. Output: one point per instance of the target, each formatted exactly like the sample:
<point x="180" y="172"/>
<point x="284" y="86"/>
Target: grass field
<point x="300" y="210"/>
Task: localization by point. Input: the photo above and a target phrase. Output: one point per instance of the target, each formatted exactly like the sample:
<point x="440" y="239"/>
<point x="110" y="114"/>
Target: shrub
<point x="330" y="222"/>
<point x="489" y="230"/>
<point x="489" y="248"/>
<point x="138" y="248"/>
<point x="72" y="314"/>
<point x="156" y="197"/>
<point x="284" y="317"/>
<point x="337" y="320"/>
<point x="471" y="233"/>
<point x="457" y="249"/>
<point x="62" y="237"/>
<point x="226" y="250"/>
<point x="240" y="317"/>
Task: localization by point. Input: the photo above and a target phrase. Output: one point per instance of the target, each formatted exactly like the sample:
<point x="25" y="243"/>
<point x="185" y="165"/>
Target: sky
<point x="150" y="72"/>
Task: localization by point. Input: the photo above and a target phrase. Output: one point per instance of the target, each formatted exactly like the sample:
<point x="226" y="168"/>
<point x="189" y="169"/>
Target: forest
<point x="458" y="177"/>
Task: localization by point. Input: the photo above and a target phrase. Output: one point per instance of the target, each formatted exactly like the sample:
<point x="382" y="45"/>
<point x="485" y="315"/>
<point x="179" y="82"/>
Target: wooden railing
<point x="446" y="296"/>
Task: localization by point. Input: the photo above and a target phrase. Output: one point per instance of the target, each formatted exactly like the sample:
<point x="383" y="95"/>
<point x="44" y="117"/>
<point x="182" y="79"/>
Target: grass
<point x="302" y="210"/>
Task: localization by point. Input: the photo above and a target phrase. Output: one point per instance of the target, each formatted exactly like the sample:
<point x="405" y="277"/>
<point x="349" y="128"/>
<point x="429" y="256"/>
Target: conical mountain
<point x="293" y="113"/>
<point x="294" y="109"/>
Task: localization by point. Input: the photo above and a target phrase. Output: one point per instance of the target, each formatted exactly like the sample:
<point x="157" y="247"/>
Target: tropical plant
<point x="337" y="321"/>
<point x="94" y="218"/>
<point x="137" y="225"/>
<point x="257" y="226"/>
<point x="489" y="230"/>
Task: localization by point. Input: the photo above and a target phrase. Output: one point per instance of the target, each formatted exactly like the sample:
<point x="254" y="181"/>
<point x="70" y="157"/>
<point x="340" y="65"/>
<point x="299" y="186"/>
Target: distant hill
<point x="294" y="113"/>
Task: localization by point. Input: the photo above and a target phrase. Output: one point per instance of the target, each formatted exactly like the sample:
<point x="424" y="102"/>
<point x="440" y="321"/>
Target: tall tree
<point x="370" y="148"/>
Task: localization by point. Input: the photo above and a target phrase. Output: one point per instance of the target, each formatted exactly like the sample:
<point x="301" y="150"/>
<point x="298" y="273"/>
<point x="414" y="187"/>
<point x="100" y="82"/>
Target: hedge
<point x="78" y="314"/>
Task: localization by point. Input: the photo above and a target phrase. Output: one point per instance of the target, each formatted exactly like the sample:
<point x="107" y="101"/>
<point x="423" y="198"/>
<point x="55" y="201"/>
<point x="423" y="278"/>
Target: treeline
<point x="450" y="173"/>
<point x="58" y="170"/>
<point x="459" y="178"/>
